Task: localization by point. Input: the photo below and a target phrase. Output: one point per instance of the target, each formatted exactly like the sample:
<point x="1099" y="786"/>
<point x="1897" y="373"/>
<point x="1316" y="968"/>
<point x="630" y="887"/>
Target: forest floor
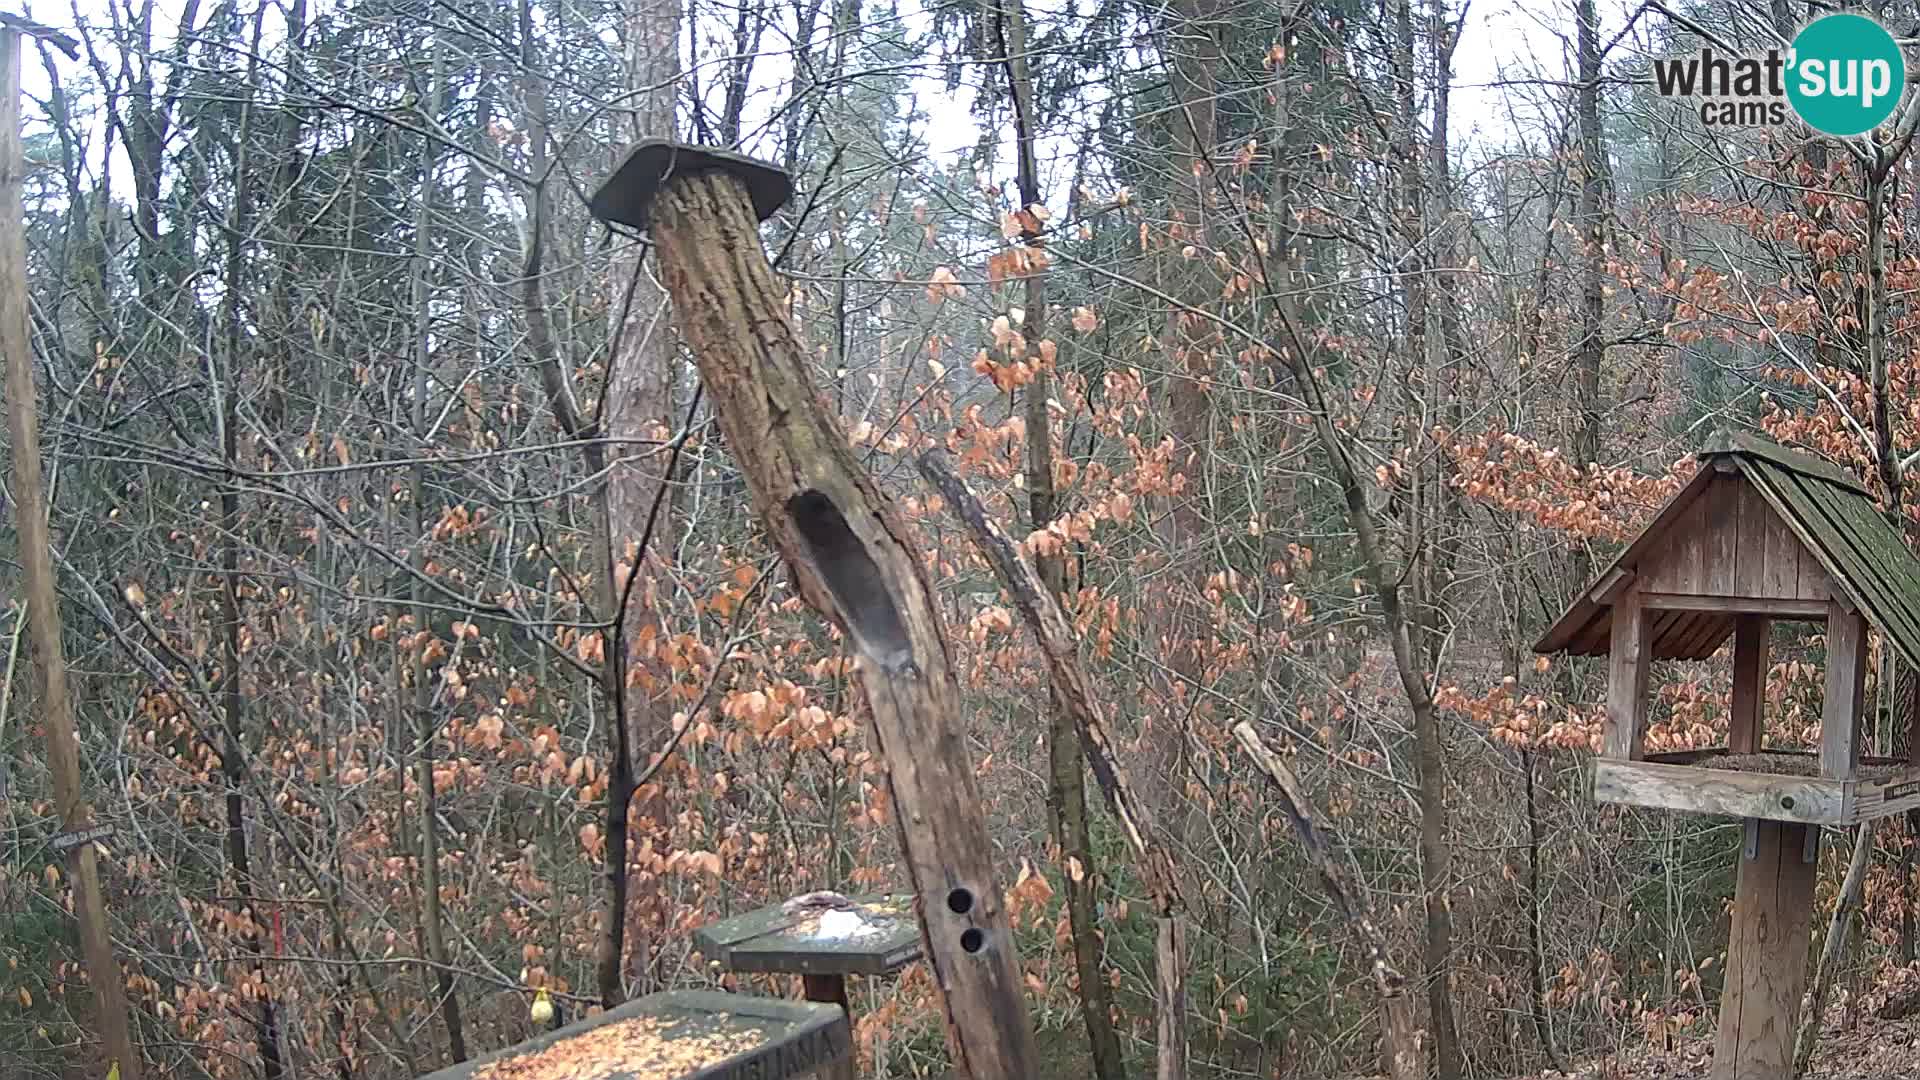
<point x="1871" y="1049"/>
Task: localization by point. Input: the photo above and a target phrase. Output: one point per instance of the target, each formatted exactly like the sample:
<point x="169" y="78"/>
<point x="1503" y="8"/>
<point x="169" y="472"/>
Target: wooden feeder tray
<point x="1775" y="785"/>
<point x="886" y="939"/>
<point x="677" y="1035"/>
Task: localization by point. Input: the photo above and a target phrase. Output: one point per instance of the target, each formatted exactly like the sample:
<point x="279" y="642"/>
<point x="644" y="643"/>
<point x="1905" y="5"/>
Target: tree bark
<point x="233" y="695"/>
<point x="425" y="729"/>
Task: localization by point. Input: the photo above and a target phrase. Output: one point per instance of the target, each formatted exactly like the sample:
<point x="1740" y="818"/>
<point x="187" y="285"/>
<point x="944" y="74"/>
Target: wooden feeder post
<point x="848" y="552"/>
<point x="1760" y="534"/>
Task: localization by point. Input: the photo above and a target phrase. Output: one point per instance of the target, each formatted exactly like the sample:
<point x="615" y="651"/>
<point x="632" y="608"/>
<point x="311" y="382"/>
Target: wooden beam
<point x="853" y="559"/>
<point x="36" y="563"/>
<point x="1846" y="684"/>
<point x="1781" y="608"/>
<point x="1607" y="589"/>
<point x="1746" y="724"/>
<point x="1627" y="664"/>
<point x="1766" y="957"/>
<point x="1698" y="789"/>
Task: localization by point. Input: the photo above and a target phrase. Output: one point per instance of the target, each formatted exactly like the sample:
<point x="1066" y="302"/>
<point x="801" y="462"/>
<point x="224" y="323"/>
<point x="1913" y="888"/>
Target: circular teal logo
<point x="1846" y="74"/>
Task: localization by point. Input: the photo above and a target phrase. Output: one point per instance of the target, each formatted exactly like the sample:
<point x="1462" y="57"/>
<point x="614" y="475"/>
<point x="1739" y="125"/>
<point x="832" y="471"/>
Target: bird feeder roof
<point x="1829" y="512"/>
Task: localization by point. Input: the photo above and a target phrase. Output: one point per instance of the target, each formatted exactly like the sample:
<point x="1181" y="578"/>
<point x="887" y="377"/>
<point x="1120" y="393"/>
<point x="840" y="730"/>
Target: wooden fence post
<point x="36" y="562"/>
<point x="847" y="549"/>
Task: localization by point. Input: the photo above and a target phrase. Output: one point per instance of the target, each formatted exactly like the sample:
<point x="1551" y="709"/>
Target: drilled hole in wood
<point x="960" y="901"/>
<point x="973" y="940"/>
<point x="853" y="578"/>
<point x="1786" y="802"/>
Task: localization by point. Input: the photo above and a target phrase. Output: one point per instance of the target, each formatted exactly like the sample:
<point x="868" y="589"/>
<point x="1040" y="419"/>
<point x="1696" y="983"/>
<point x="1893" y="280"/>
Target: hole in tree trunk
<point x="973" y="940"/>
<point x="959" y="901"/>
<point x="851" y="575"/>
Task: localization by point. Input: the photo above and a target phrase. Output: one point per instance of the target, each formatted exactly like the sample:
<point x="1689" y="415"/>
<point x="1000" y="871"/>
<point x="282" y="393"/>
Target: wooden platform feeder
<point x="1760" y="534"/>
<point x="678" y="1035"/>
<point x="878" y="936"/>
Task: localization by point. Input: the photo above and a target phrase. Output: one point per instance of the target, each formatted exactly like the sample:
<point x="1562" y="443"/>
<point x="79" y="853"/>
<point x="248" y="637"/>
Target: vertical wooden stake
<point x="1746" y="727"/>
<point x="832" y="989"/>
<point x="36" y="560"/>
<point x="1766" y="956"/>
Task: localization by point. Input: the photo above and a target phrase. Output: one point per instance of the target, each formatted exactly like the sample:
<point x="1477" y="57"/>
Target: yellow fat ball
<point x="542" y="1011"/>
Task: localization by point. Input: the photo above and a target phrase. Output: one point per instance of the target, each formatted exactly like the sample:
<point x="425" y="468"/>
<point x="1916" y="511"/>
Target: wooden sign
<point x="70" y="840"/>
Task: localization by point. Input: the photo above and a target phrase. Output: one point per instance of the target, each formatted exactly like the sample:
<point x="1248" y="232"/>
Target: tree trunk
<point x="641" y="538"/>
<point x="425" y="730"/>
<point x="1066" y="792"/>
<point x="848" y="551"/>
<point x="1589" y="346"/>
<point x="43" y="606"/>
<point x="233" y="695"/>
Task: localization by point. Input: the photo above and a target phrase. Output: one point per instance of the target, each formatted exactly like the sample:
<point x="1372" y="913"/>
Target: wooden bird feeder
<point x="678" y="1035"/>
<point x="877" y="936"/>
<point x="1760" y="534"/>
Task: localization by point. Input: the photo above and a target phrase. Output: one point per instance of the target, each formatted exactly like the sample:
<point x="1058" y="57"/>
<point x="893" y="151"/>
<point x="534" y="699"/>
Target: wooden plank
<point x="1693" y="789"/>
<point x="684" y="1035"/>
<point x="1755" y="523"/>
<point x="1704" y="636"/>
<point x="1766" y="957"/>
<point x="1680" y="568"/>
<point x="1736" y="605"/>
<point x="1720" y="537"/>
<point x="1745" y="723"/>
<point x="1629" y="656"/>
<point x="1608" y="588"/>
<point x="1846" y="682"/>
<point x="1878" y="569"/>
<point x="1893" y="592"/>
<point x="1785" y="553"/>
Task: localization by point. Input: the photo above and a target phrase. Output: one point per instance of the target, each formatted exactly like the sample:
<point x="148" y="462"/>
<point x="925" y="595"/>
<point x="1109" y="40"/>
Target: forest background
<point x="408" y="584"/>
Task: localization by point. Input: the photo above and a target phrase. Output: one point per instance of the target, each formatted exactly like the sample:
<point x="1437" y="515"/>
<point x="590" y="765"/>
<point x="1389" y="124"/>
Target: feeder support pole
<point x="851" y="559"/>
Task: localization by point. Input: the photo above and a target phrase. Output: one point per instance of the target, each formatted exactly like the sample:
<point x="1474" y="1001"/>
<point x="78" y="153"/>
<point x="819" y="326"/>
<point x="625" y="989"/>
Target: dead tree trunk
<point x="847" y="549"/>
<point x="1074" y="693"/>
<point x="1403" y="1053"/>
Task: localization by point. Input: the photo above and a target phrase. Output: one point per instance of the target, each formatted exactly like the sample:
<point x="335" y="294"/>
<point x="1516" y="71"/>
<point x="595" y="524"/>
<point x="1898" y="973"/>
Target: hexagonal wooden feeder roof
<point x="1777" y="530"/>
